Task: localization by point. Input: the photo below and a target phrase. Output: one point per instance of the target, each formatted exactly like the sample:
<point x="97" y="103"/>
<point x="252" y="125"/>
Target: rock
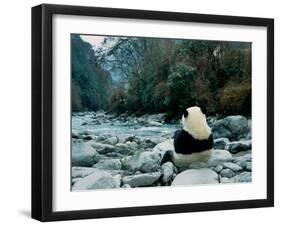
<point x="117" y="179"/>
<point x="141" y="180"/>
<point x="198" y="165"/>
<point x="196" y="176"/>
<point x="249" y="166"/>
<point x="74" y="134"/>
<point x="111" y="140"/>
<point x="147" y="161"/>
<point x="237" y="146"/>
<point x="87" y="137"/>
<point x="77" y="172"/>
<point x="240" y="178"/>
<point x="227" y="173"/>
<point x="167" y="170"/>
<point x="244" y="161"/>
<point x="219" y="156"/>
<point x="82" y="154"/>
<point x="157" y="117"/>
<point x="97" y="180"/>
<point x="167" y="145"/>
<point x="132" y="145"/>
<point x="243" y="177"/>
<point x="218" y="168"/>
<point x="100" y="139"/>
<point x="154" y="123"/>
<point x="122" y="148"/>
<point x="220" y="143"/>
<point x="225" y="180"/>
<point x="126" y="186"/>
<point x="233" y="127"/>
<point x="103" y="148"/>
<point x="234" y="167"/>
<point x="110" y="164"/>
<point x="126" y="137"/>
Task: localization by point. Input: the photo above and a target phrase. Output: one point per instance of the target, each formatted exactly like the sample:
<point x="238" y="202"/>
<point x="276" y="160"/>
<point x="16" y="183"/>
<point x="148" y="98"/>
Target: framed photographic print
<point x="145" y="112"/>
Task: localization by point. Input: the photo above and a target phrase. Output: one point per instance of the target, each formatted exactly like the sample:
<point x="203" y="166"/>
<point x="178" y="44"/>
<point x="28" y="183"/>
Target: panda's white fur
<point x="196" y="125"/>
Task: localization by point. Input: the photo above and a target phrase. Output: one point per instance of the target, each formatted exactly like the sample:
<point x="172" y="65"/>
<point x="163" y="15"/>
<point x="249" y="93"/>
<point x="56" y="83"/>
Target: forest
<point x="153" y="75"/>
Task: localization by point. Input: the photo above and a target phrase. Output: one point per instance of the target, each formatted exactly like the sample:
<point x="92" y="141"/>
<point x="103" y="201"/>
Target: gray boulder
<point x="111" y="140"/>
<point x="227" y="173"/>
<point x="110" y="164"/>
<point x="196" y="176"/>
<point x="219" y="156"/>
<point x="122" y="148"/>
<point x="237" y="146"/>
<point x="147" y="161"/>
<point x="103" y="148"/>
<point x="234" y="167"/>
<point x="157" y="117"/>
<point x="167" y="170"/>
<point x="141" y="180"/>
<point x="154" y="123"/>
<point x="126" y="137"/>
<point x="243" y="177"/>
<point x="97" y="180"/>
<point x="220" y="143"/>
<point x="82" y="154"/>
<point x="77" y="172"/>
<point x="233" y="127"/>
<point x="164" y="146"/>
<point x="198" y="165"/>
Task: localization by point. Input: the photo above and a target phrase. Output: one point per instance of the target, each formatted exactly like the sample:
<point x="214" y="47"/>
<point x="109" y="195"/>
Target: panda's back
<point x="186" y="144"/>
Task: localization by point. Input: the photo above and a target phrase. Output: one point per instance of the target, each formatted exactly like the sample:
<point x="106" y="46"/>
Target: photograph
<point x="156" y="112"/>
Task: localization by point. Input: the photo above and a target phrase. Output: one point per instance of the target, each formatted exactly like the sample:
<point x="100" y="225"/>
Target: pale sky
<point x="93" y="39"/>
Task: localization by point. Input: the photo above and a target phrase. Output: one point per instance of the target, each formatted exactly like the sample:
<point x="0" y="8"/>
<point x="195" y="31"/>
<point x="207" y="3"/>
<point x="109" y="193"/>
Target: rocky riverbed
<point x="110" y="151"/>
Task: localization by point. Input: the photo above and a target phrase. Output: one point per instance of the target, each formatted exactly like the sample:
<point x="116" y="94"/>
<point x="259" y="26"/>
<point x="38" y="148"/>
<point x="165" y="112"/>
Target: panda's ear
<point x="203" y="109"/>
<point x="185" y="113"/>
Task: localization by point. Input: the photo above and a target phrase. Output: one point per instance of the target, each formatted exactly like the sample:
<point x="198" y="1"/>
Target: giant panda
<point x="194" y="142"/>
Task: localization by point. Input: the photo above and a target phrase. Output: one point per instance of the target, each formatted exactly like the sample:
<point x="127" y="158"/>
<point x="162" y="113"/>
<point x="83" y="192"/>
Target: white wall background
<point x="15" y="118"/>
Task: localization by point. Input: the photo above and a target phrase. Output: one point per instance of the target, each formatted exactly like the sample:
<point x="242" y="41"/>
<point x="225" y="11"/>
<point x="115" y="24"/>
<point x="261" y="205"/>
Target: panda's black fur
<point x="185" y="144"/>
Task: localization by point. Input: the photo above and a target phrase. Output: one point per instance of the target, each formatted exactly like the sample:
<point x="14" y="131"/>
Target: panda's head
<point x="195" y="123"/>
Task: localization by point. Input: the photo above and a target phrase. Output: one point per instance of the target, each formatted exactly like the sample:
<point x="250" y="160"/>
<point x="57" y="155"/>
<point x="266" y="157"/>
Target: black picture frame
<point x="42" y="107"/>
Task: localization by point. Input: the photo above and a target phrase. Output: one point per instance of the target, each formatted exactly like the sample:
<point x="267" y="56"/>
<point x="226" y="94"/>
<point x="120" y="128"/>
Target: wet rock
<point x="110" y="164"/>
<point x="234" y="167"/>
<point x="157" y="117"/>
<point x="141" y="180"/>
<point x="81" y="171"/>
<point x="233" y="127"/>
<point x="220" y="143"/>
<point x="122" y="148"/>
<point x="165" y="146"/>
<point x="237" y="146"/>
<point x="97" y="180"/>
<point x="227" y="173"/>
<point x="82" y="154"/>
<point x="154" y="123"/>
<point x="218" y="168"/>
<point x="219" y="156"/>
<point x="196" y="176"/>
<point x="111" y="140"/>
<point x="103" y="148"/>
<point x="198" y="165"/>
<point x="126" y="186"/>
<point x="167" y="170"/>
<point x="147" y="161"/>
<point x="74" y="134"/>
<point x="249" y="166"/>
<point x="126" y="137"/>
